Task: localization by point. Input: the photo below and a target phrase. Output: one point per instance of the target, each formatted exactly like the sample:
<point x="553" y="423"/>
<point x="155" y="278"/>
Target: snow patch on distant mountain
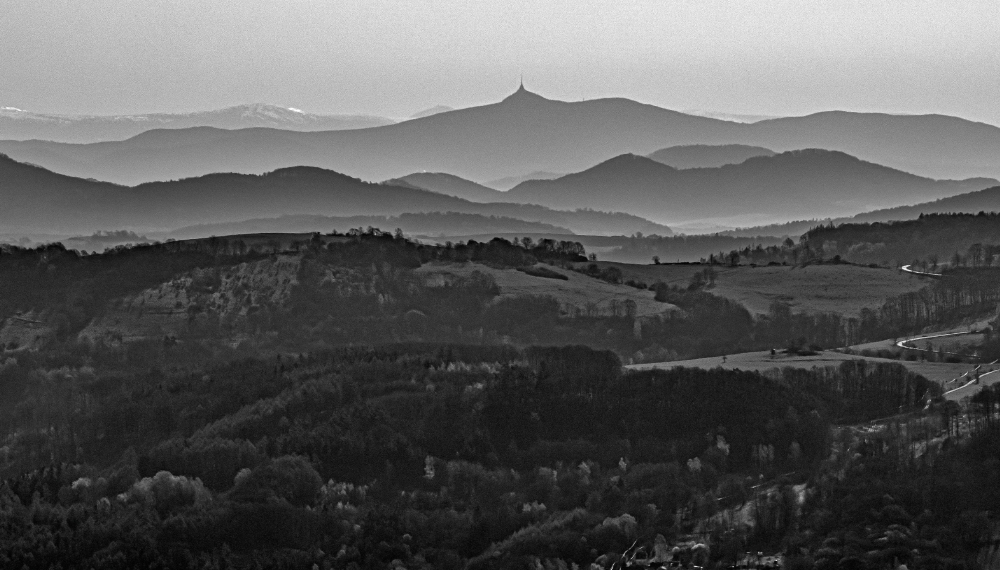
<point x="432" y="111"/>
<point x="731" y="117"/>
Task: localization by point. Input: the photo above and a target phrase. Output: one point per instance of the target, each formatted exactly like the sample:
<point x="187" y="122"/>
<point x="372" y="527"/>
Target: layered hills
<point x="35" y="199"/>
<point x="449" y="184"/>
<point x="523" y="133"/>
<point x="443" y="224"/>
<point x="18" y="124"/>
<point x="707" y="156"/>
<point x="796" y="184"/>
<point x="508" y="182"/>
<point x="987" y="200"/>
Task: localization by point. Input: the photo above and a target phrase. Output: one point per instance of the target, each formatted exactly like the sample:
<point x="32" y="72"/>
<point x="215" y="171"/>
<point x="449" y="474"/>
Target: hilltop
<point x="707" y="156"/>
<point x="450" y="185"/>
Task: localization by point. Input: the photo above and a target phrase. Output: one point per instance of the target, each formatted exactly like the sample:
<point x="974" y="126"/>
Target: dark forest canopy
<point x="955" y="240"/>
<point x="936" y="235"/>
<point x="684" y="248"/>
<point x="436" y="455"/>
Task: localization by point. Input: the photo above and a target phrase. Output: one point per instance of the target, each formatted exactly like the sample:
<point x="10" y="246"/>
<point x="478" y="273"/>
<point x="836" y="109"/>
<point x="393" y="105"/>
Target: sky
<point x="770" y="57"/>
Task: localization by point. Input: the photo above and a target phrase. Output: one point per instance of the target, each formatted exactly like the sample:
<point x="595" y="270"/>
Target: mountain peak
<point x="522" y="94"/>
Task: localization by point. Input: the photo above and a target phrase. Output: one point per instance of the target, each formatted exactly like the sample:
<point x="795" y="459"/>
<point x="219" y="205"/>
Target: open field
<point x="843" y="289"/>
<point x="580" y="291"/>
<point x="950" y="343"/>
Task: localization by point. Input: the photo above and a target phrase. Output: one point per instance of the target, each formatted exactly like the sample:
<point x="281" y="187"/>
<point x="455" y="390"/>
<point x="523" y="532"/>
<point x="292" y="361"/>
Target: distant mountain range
<point x="17" y="124"/>
<point x="523" y="133"/>
<point x="37" y="200"/>
<point x="787" y="185"/>
<point x="707" y="156"/>
<point x="449" y="184"/>
<point x="986" y="200"/>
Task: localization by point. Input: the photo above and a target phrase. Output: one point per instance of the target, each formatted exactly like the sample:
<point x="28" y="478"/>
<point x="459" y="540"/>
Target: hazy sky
<point x="396" y="58"/>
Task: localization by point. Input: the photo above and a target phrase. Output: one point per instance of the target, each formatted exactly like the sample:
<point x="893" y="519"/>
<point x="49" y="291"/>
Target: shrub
<point x="290" y="478"/>
<point x="167" y="492"/>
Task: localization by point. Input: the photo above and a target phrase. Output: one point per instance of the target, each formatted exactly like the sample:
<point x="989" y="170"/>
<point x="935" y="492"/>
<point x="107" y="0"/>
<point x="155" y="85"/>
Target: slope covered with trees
<point x="373" y="419"/>
<point x="433" y="455"/>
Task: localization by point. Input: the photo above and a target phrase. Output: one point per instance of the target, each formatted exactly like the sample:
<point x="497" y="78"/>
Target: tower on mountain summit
<point x="522" y="93"/>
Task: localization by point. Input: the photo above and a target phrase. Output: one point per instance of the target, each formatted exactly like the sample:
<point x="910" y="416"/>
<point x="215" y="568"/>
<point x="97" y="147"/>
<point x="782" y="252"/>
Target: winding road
<point x="907" y="269"/>
<point x="970" y="376"/>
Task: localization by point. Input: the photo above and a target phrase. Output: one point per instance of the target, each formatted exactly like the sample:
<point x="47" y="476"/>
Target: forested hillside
<point x="938" y="236"/>
<point x="326" y="404"/>
<point x="954" y="240"/>
<point x="433" y="455"/>
<point x="362" y="288"/>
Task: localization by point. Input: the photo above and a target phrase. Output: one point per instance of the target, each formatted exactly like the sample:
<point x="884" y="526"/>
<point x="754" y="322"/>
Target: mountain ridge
<point x="444" y="183"/>
<point x="37" y="199"/>
<point x="425" y="223"/>
<point x="524" y="132"/>
<point x="707" y="156"/>
<point x="985" y="200"/>
<point x="789" y="184"/>
<point x="25" y="125"/>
